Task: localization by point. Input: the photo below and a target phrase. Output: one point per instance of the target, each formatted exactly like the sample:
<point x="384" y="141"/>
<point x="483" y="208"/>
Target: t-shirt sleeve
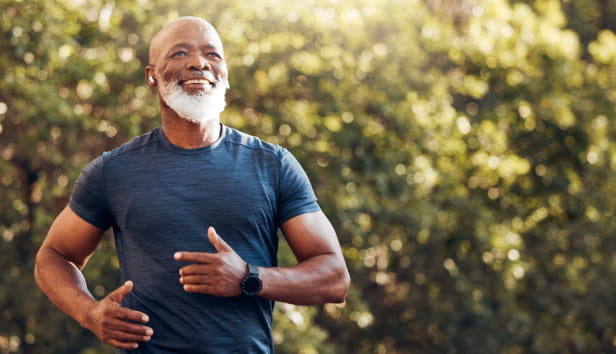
<point x="87" y="199"/>
<point x="295" y="193"/>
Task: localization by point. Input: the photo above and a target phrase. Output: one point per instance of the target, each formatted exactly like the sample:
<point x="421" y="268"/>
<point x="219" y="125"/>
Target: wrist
<point x="252" y="284"/>
<point x="85" y="312"/>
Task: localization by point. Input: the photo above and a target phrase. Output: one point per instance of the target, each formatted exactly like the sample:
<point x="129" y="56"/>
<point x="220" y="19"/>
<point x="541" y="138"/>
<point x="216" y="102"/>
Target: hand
<point x="217" y="273"/>
<point x="110" y="321"/>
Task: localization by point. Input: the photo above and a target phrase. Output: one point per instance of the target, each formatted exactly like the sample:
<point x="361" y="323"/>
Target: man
<point x="195" y="207"/>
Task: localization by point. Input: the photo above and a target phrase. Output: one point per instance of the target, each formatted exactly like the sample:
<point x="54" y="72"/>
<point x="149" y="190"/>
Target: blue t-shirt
<point x="161" y="199"/>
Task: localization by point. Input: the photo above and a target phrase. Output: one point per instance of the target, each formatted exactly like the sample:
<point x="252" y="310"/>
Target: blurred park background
<point x="463" y="150"/>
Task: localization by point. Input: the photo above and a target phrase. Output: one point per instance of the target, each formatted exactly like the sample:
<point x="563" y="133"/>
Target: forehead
<point x="185" y="32"/>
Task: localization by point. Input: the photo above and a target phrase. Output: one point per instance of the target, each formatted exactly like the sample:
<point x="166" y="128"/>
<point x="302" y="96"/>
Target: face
<point x="187" y="65"/>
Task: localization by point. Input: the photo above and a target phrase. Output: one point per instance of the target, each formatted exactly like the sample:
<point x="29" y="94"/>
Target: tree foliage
<point x="462" y="149"/>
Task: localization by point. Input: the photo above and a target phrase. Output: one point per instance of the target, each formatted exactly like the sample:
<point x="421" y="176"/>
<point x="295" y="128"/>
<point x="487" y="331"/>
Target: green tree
<point x="462" y="149"/>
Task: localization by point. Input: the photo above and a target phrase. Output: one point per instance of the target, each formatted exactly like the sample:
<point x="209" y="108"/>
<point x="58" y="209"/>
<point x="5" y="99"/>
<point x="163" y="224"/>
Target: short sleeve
<point x="295" y="193"/>
<point x="88" y="197"/>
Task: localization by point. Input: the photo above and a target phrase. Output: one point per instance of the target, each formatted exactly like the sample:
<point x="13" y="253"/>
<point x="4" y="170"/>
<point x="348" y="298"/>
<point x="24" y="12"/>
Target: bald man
<point x="195" y="208"/>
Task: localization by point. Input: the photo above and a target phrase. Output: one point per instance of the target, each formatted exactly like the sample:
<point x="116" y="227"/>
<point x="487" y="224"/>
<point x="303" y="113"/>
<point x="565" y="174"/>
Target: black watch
<point x="251" y="284"/>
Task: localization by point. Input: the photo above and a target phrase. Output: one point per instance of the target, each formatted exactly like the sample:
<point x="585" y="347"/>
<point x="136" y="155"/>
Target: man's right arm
<point x="67" y="247"/>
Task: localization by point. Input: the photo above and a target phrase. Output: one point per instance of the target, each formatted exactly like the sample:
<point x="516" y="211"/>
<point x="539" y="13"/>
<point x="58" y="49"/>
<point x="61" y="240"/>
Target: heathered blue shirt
<point x="161" y="199"/>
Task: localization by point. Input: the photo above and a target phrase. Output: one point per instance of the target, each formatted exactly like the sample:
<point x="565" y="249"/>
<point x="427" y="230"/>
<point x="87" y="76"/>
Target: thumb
<point x="120" y="293"/>
<point x="217" y="241"/>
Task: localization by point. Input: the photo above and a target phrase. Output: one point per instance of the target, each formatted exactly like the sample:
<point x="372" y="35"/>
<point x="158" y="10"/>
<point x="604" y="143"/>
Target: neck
<point x="188" y="135"/>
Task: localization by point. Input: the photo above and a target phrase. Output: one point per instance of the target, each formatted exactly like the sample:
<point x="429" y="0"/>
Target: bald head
<point x="175" y="28"/>
<point x="188" y="68"/>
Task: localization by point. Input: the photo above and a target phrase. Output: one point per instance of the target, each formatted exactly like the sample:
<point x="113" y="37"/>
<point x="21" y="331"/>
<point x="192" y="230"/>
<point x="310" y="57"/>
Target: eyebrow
<point x="184" y="45"/>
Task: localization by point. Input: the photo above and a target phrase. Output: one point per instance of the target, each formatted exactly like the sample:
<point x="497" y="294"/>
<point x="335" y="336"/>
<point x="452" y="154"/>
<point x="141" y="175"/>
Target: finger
<point x="120" y="293"/>
<point x="127" y="330"/>
<point x="194" y="257"/>
<point x="123" y="340"/>
<point x="217" y="241"/>
<point x="195" y="269"/>
<point x="132" y="315"/>
<point x="122" y="345"/>
<point x="195" y="280"/>
<point x="201" y="289"/>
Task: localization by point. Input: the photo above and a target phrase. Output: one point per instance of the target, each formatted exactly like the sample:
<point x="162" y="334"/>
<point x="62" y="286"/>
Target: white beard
<point x="200" y="108"/>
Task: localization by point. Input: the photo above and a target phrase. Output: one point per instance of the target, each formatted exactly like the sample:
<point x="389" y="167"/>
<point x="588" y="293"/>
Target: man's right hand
<point x="113" y="324"/>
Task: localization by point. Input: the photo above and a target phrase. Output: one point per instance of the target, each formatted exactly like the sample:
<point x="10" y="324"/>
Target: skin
<point x="187" y="48"/>
<point x="67" y="247"/>
<point x="319" y="276"/>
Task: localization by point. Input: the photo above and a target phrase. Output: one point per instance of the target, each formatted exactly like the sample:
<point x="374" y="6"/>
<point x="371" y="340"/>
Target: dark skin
<point x="69" y="244"/>
<point x="188" y="52"/>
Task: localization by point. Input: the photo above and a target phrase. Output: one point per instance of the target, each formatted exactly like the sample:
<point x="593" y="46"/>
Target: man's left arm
<point x="320" y="276"/>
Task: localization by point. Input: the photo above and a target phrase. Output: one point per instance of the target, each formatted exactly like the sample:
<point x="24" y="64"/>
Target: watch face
<point x="251" y="285"/>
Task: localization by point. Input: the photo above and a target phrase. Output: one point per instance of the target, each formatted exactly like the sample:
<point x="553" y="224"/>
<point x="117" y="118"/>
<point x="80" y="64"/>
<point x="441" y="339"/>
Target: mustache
<point x="202" y="75"/>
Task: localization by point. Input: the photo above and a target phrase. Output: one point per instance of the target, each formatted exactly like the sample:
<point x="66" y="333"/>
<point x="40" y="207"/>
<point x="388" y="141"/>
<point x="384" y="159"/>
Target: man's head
<point x="187" y="66"/>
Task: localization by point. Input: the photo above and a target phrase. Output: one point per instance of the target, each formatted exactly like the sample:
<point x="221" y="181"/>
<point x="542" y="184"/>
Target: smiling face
<point x="187" y="65"/>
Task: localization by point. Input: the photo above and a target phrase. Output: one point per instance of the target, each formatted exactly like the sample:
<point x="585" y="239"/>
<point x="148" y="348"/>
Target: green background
<point x="463" y="150"/>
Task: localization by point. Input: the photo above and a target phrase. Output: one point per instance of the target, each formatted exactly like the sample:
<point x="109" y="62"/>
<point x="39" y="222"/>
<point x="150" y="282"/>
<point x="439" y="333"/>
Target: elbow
<point x="46" y="260"/>
<point x="39" y="266"/>
<point x="341" y="290"/>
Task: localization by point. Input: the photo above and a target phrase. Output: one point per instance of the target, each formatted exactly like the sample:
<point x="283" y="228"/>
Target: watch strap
<point x="253" y="269"/>
<point x="251" y="285"/>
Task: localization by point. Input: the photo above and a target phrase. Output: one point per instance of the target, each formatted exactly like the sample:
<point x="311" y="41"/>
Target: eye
<point x="179" y="53"/>
<point x="214" y="55"/>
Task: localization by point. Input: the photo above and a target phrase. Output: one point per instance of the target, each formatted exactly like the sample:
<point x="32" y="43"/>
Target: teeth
<point x="197" y="81"/>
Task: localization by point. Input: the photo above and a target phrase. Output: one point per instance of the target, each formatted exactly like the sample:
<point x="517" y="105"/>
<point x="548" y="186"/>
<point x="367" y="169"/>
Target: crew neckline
<point x="183" y="151"/>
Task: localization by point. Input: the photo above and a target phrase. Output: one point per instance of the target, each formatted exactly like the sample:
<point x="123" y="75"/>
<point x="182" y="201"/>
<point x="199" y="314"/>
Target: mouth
<point x="197" y="84"/>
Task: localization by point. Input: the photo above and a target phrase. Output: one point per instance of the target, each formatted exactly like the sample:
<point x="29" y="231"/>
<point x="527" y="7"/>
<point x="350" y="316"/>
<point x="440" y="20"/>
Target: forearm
<point x="62" y="281"/>
<point x="316" y="280"/>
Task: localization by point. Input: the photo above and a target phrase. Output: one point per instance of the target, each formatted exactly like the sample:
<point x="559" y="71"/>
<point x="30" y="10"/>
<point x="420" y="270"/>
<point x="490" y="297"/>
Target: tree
<point x="463" y="151"/>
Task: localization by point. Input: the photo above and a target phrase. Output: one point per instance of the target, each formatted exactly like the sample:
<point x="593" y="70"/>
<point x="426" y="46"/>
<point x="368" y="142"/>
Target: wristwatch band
<point x="251" y="284"/>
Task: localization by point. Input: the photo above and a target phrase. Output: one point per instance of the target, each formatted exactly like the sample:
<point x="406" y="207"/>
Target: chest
<point x="184" y="196"/>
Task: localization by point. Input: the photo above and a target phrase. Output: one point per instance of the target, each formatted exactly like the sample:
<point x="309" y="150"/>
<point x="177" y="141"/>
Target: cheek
<point x="221" y="72"/>
<point x="171" y="72"/>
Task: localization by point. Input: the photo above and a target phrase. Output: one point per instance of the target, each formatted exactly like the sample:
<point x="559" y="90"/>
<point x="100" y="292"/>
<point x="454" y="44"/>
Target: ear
<point x="149" y="76"/>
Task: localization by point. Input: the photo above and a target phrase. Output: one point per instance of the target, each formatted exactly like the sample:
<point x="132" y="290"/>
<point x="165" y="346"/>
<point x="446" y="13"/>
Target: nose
<point x="198" y="62"/>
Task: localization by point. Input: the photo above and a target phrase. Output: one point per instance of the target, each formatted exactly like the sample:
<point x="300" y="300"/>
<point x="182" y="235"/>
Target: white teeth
<point x="197" y="81"/>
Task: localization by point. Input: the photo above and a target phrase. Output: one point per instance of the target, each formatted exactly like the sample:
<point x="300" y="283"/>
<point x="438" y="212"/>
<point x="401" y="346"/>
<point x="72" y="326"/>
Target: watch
<point x="251" y="284"/>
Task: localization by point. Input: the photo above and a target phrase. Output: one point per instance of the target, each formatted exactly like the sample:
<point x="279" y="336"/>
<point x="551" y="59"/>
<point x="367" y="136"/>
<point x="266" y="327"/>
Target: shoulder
<point x="254" y="144"/>
<point x="134" y="145"/>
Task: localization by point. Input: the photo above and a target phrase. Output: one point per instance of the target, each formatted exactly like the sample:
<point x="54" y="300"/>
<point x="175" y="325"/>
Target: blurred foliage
<point x="463" y="150"/>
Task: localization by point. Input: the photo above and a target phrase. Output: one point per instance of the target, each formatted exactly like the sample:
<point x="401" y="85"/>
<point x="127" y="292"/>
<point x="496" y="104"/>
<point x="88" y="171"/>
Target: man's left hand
<point x="217" y="273"/>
